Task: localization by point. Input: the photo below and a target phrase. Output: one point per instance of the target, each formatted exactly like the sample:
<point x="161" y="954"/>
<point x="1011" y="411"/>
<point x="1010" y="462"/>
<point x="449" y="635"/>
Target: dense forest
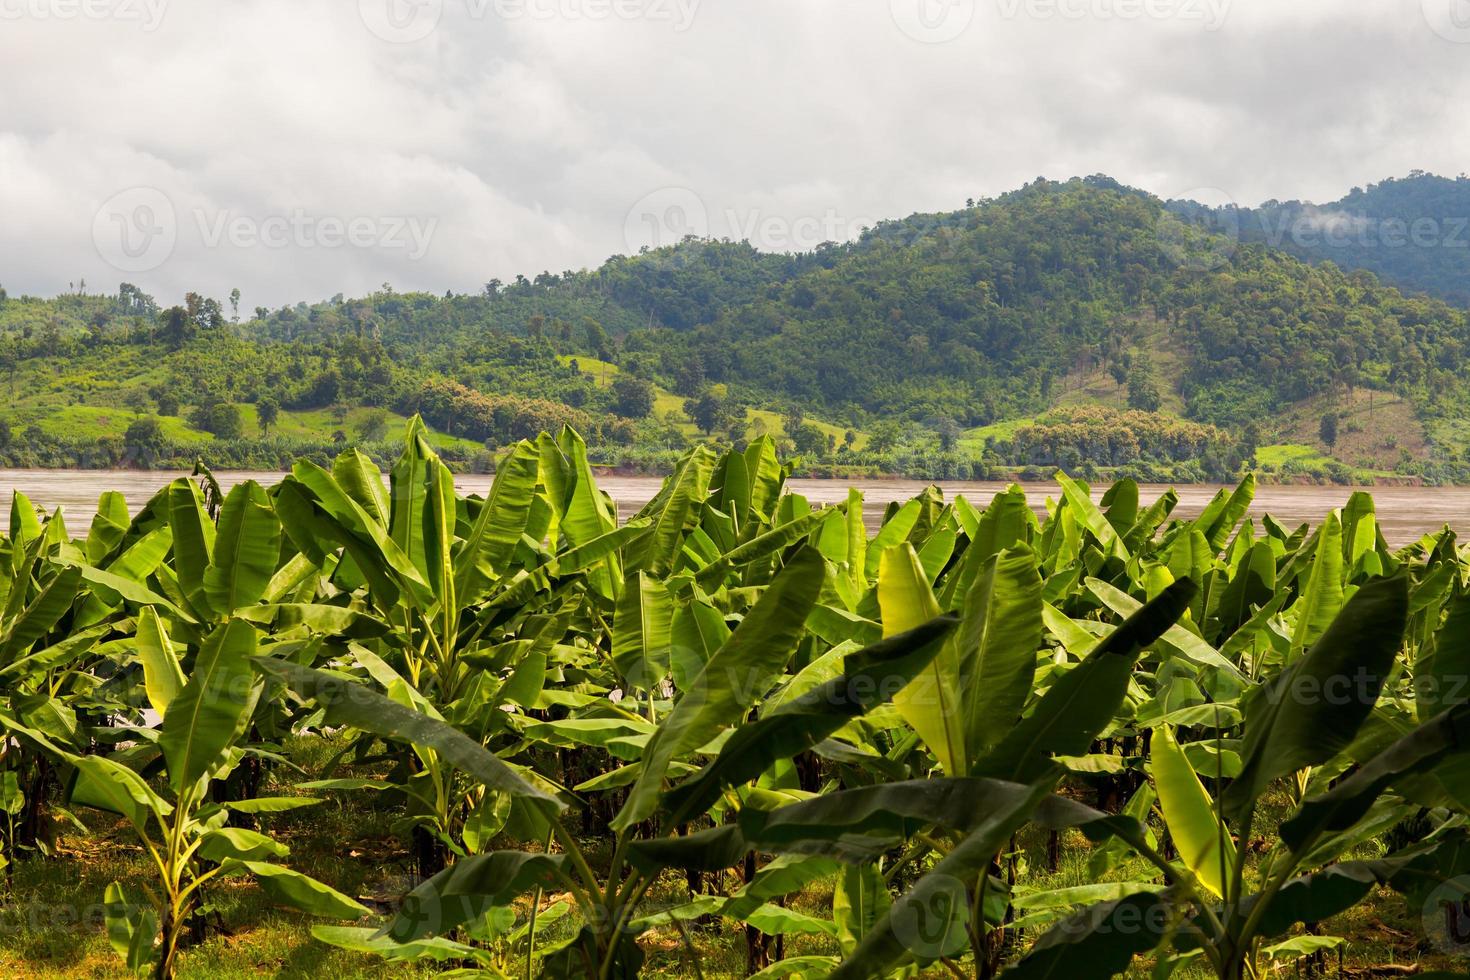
<point x="1077" y="324"/>
<point x="1412" y="232"/>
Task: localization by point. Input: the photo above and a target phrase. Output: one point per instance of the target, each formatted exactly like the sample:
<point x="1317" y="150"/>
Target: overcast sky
<point x="300" y="148"/>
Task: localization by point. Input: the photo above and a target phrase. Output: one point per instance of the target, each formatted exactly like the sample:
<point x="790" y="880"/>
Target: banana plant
<point x="443" y="584"/>
<point x="187" y="836"/>
<point x="1311" y="721"/>
<point x="465" y="893"/>
<point x="47" y="658"/>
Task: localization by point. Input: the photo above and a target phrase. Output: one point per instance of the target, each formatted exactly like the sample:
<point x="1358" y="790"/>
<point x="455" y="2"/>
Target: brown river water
<point x="1404" y="513"/>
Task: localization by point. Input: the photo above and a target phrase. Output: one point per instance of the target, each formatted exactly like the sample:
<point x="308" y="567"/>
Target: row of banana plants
<point x="1247" y="728"/>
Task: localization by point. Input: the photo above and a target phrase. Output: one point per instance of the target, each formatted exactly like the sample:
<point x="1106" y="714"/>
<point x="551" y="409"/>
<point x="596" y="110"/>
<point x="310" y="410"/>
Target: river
<point x="1404" y="513"/>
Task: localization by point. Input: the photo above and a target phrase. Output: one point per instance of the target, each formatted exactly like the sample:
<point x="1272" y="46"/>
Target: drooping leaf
<point x="869" y="678"/>
<point x="739" y="673"/>
<point x="1099" y="941"/>
<point x="292" y="888"/>
<point x="132" y="927"/>
<point x="859" y="901"/>
<point x="43" y="612"/>
<point x="1349" y="800"/>
<point x="1312" y="710"/>
<point x="111" y="786"/>
<point x="349" y="702"/>
<point x="163" y="678"/>
<point x="928" y="919"/>
<point x="1078" y="706"/>
<point x="1201" y="838"/>
<point x="466" y="890"/>
<point x="932" y="702"/>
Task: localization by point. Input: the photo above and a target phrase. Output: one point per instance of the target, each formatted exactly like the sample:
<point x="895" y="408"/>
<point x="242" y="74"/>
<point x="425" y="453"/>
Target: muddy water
<point x="1404" y="512"/>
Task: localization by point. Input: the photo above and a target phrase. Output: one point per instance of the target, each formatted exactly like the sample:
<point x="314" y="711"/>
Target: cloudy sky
<point x="300" y="148"/>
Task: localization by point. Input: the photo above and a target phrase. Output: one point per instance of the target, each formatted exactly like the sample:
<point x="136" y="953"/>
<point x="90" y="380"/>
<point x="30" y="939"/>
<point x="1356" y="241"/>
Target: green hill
<point x="1413" y="232"/>
<point x="1077" y="323"/>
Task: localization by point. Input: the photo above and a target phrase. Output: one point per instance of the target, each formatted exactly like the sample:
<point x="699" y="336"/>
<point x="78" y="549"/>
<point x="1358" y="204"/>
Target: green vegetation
<point x="900" y="353"/>
<point x="735" y="735"/>
<point x="1412" y="232"/>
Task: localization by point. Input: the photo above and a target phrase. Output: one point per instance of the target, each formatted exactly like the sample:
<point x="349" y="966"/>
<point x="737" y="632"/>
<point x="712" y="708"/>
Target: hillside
<point x="1112" y="332"/>
<point x="1412" y="232"/>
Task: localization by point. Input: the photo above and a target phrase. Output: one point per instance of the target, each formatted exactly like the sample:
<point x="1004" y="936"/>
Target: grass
<point x="318" y="425"/>
<point x="96" y="422"/>
<point x="973" y="440"/>
<point x="51" y="925"/>
<point x="1375" y="432"/>
<point x="313" y="425"/>
<point x="1306" y="457"/>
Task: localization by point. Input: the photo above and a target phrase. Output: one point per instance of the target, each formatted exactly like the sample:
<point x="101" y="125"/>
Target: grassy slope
<point x="1376" y="429"/>
<point x="86" y="402"/>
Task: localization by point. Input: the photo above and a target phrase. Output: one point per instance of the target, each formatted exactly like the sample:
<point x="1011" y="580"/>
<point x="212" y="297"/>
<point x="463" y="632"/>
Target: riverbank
<point x="1404" y="512"/>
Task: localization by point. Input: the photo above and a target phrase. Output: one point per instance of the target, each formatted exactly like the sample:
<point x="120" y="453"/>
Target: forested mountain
<point x="1413" y="232"/>
<point x="1024" y="331"/>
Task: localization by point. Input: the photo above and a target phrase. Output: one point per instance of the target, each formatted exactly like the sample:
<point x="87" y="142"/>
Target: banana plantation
<point x="738" y="734"/>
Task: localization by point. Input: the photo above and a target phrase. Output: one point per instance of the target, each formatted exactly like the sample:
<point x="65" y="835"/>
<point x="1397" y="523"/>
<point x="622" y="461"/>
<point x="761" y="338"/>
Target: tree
<point x="5" y="434"/>
<point x="809" y="440"/>
<point x="218" y="417"/>
<point x="632" y="397"/>
<point x="176" y="327"/>
<point x="885" y="436"/>
<point x="1328" y="429"/>
<point x="597" y="339"/>
<point x="144" y="442"/>
<point x="949" y="432"/>
<point x="711" y="409"/>
<point x="137" y="400"/>
<point x="267" y="411"/>
<point x="374" y="426"/>
<point x="792" y="420"/>
<point x="1143" y="389"/>
<point x="689" y="376"/>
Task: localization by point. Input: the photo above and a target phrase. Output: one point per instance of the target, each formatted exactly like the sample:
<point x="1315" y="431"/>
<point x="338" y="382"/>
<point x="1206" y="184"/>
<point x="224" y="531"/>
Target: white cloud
<point x="524" y="141"/>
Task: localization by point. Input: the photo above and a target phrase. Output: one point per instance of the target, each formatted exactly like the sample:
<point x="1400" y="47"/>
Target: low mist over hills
<point x="1412" y="232"/>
